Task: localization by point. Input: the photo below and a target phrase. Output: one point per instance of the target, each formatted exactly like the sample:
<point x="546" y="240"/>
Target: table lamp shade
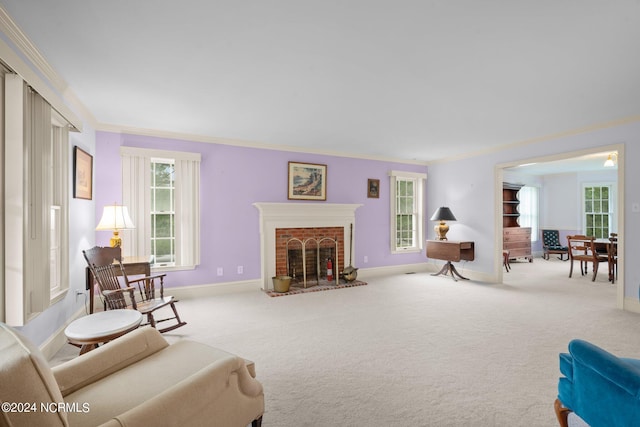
<point x="442" y="214"/>
<point x="115" y="217"/>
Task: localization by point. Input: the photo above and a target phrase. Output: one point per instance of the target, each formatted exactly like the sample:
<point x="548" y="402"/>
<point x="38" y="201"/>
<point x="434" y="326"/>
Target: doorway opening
<point x="561" y="208"/>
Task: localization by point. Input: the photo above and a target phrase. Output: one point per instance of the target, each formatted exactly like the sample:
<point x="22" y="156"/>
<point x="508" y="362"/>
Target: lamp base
<point x="116" y="240"/>
<point x="441" y="230"/>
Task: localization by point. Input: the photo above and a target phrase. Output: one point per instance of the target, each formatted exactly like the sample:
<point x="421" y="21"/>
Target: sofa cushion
<point x="25" y="377"/>
<point x="99" y="363"/>
<point x="135" y="384"/>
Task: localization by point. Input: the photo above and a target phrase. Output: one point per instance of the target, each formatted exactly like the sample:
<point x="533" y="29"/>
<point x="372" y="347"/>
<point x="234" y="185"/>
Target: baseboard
<point x="199" y="291"/>
<point x="631" y="304"/>
<point x="56" y="341"/>
<point x="363" y="273"/>
<point x="426" y="267"/>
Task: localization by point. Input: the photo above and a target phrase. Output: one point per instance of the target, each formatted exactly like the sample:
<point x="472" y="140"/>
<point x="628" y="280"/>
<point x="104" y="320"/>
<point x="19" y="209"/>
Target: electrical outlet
<point x="240" y="269"/>
<point x="220" y="271"/>
<point x="366" y="259"/>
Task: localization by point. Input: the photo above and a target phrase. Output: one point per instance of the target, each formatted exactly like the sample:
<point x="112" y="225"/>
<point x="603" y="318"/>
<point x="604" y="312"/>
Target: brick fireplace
<point x="302" y="253"/>
<point x="313" y="220"/>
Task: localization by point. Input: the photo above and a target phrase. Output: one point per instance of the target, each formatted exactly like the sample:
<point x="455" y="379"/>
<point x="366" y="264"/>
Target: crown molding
<point x="245" y="143"/>
<point x="39" y="74"/>
<point x="568" y="133"/>
<point x="29" y="50"/>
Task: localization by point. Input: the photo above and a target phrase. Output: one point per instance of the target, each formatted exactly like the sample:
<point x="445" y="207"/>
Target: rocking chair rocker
<point x="105" y="264"/>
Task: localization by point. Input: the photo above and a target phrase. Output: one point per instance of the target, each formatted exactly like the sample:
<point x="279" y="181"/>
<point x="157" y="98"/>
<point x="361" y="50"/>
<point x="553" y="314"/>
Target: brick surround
<point x="283" y="235"/>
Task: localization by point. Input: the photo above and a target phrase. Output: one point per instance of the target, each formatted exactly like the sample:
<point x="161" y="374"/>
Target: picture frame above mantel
<point x="307" y="181"/>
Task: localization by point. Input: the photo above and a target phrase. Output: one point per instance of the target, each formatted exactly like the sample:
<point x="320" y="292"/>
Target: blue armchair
<point x="602" y="389"/>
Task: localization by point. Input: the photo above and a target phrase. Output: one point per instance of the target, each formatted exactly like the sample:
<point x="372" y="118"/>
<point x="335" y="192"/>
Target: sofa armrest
<point x="600" y="388"/>
<point x="613" y="369"/>
<point x="223" y="393"/>
<point x="109" y="358"/>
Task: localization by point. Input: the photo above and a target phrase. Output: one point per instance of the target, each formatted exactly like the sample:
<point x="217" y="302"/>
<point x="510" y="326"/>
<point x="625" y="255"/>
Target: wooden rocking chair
<point x="105" y="264"/>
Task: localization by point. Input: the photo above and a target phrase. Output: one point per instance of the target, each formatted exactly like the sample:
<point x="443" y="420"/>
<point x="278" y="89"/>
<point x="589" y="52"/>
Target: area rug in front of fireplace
<point x="299" y="289"/>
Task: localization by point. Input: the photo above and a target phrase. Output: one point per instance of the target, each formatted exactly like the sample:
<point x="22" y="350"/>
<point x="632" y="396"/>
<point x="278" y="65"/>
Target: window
<point x="162" y="191"/>
<point x="36" y="226"/>
<point x="598" y="210"/>
<point x="58" y="188"/>
<point x="406" y="211"/>
<point x="163" y="237"/>
<point x="529" y="210"/>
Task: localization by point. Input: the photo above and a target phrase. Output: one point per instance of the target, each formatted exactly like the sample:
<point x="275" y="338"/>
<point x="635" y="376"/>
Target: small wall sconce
<point x="610" y="162"/>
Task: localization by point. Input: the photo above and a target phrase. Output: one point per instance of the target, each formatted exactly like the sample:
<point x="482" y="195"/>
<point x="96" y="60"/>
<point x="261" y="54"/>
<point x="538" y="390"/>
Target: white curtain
<point x="136" y="195"/>
<point x="187" y="206"/>
<point x="529" y="210"/>
<point x="38" y="194"/>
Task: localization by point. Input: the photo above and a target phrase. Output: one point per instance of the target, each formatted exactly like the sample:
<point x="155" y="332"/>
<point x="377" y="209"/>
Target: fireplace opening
<point x="307" y="262"/>
<point x="303" y="254"/>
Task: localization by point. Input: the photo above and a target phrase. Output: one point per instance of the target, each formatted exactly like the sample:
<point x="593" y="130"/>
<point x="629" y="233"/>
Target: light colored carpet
<point x="415" y="349"/>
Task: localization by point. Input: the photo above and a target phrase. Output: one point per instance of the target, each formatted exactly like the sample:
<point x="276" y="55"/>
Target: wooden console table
<point x="132" y="265"/>
<point x="451" y="252"/>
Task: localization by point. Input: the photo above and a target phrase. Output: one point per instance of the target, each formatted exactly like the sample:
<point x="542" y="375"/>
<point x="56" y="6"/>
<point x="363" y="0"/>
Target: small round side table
<point x="101" y="327"/>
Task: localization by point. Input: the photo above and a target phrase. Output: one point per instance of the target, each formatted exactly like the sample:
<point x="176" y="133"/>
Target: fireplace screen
<point x="309" y="255"/>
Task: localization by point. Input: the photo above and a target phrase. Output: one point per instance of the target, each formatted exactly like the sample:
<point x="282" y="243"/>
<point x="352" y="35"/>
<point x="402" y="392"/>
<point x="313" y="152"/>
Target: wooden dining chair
<point x="582" y="248"/>
<point x="612" y="257"/>
<point x="105" y="263"/>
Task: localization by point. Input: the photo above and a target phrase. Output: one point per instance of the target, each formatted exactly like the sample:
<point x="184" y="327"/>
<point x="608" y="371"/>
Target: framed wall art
<point x="307" y="181"/>
<point x="373" y="188"/>
<point x="82" y="174"/>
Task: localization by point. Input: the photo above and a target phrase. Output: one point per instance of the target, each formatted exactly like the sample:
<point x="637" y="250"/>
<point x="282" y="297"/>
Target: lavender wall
<point x="233" y="178"/>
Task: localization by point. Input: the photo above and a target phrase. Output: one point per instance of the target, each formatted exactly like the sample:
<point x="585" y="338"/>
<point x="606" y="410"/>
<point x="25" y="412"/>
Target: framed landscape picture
<point x="82" y="174"/>
<point x="307" y="181"/>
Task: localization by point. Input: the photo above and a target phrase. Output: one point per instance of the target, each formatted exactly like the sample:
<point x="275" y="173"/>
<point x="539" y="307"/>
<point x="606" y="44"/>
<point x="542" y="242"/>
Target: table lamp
<point x="442" y="214"/>
<point x="115" y="217"/>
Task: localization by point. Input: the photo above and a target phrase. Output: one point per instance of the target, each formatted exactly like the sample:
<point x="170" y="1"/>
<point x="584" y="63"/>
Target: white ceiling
<point x="404" y="79"/>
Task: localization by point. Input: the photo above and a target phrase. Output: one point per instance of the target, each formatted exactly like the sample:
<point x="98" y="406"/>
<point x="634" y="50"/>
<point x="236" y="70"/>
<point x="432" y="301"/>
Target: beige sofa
<point x="135" y="380"/>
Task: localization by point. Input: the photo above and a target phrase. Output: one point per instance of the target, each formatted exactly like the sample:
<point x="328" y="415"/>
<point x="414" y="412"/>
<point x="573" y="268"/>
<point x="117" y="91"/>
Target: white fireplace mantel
<point x="299" y="215"/>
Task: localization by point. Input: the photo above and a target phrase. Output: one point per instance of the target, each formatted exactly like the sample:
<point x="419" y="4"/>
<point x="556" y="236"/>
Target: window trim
<point x="419" y="179"/>
<point x="171" y="212"/>
<point x="137" y="197"/>
<point x="613" y="203"/>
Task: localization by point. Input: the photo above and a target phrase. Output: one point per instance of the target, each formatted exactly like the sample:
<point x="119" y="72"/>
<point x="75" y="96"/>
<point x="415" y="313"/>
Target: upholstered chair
<point x="551" y="245"/>
<point x="598" y="387"/>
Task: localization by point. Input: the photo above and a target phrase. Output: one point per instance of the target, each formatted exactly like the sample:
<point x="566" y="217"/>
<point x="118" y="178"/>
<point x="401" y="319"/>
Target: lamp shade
<point x="115" y="217"/>
<point x="443" y="214"/>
